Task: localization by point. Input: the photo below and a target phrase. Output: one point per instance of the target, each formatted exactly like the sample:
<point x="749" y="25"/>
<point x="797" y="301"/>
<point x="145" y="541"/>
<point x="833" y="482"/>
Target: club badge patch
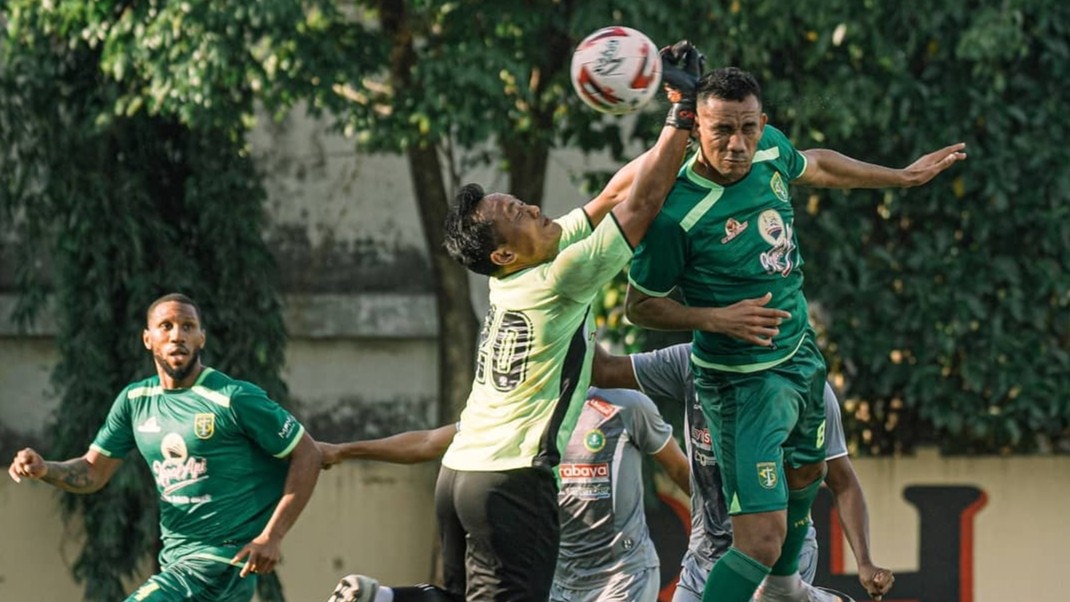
<point x="767" y="476"/>
<point x="204" y="426"/>
<point x="594" y="440"/>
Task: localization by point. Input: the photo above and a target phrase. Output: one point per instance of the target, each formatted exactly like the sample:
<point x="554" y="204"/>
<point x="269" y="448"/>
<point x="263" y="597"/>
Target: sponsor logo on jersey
<point x="778" y="234"/>
<point x="767" y="476"/>
<point x="287" y="427"/>
<point x="149" y="426"/>
<point x="204" y="425"/>
<point x="177" y="469"/>
<point x="594" y="440"/>
<point x="780" y="189"/>
<point x="590" y="491"/>
<point x="704" y="458"/>
<point x="602" y="407"/>
<point x="701" y="438"/>
<point x="586" y="473"/>
<point x="732" y="229"/>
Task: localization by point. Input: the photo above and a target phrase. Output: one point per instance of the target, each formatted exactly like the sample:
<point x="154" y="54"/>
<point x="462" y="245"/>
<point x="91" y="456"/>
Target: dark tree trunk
<point x="457" y="324"/>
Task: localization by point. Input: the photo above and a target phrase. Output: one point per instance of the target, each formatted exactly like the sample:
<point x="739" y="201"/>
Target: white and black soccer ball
<point x="616" y="70"/>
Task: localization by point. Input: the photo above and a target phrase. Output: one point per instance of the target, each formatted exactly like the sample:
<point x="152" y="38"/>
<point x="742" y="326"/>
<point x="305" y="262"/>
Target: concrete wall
<point x="379" y="520"/>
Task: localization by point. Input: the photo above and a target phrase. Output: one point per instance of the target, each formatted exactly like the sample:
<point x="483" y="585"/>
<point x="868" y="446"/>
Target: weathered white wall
<point x="379" y="520"/>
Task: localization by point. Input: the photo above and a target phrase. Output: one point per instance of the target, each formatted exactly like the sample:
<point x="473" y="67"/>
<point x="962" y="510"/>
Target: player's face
<point x="175" y="338"/>
<point x="528" y="237"/>
<point x="728" y="133"/>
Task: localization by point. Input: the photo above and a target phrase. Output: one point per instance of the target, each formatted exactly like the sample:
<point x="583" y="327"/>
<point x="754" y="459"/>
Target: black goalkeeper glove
<point x="681" y="67"/>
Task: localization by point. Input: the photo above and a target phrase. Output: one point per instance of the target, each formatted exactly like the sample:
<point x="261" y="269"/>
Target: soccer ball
<point x="616" y="70"/>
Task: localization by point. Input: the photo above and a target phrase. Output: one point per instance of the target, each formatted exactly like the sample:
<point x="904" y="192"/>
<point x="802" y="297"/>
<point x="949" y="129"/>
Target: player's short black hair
<point x="178" y="298"/>
<point x="470" y="239"/>
<point x="728" y="83"/>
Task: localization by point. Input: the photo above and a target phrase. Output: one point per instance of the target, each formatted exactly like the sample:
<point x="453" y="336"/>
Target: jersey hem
<point x="621" y="231"/>
<point x="647" y="291"/>
<point x="293" y="444"/>
<point x="663" y="445"/>
<point x="590" y="222"/>
<point x="101" y="450"/>
<point x="747" y="368"/>
<point x="495" y="467"/>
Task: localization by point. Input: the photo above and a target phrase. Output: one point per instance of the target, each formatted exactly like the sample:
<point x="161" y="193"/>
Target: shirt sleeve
<point x="575" y="226"/>
<point x="664" y="373"/>
<point x="115" y="438"/>
<point x="660" y="257"/>
<point x="648" y="428"/>
<point x="580" y="270"/>
<point x="274" y="429"/>
<point x="792" y="161"/>
<point x="835" y="441"/>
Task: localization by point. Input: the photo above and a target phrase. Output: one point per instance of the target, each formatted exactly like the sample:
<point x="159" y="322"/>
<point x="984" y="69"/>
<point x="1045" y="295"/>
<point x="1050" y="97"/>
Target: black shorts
<point x="500" y="532"/>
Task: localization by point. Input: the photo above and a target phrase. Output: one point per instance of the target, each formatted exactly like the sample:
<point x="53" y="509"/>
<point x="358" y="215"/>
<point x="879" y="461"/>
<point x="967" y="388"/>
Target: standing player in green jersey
<point x="232" y="468"/>
<point x="496" y="497"/>
<point x="726" y="235"/>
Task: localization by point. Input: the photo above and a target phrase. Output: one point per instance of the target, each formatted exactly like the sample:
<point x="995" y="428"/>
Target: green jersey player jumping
<point x="726" y="239"/>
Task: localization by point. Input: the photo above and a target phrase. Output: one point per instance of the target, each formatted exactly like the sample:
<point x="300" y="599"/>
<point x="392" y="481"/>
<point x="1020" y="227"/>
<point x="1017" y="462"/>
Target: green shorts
<point x="761" y="422"/>
<point x="199" y="580"/>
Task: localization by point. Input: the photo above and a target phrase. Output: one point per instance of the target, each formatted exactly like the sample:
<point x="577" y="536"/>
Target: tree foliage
<point x="945" y="307"/>
<point x="125" y="172"/>
<point x="112" y="210"/>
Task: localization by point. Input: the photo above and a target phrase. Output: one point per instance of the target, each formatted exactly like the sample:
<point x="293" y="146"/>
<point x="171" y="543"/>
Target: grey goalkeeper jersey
<point x="603" y="526"/>
<point x="666" y="374"/>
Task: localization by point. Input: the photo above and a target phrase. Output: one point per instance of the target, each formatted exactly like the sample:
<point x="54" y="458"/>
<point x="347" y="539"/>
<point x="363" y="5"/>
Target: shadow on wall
<point x="356" y="418"/>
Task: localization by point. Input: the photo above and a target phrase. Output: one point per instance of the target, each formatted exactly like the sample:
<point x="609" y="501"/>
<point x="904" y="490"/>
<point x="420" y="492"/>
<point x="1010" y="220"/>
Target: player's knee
<point x="762" y="539"/>
<point x="799" y="478"/>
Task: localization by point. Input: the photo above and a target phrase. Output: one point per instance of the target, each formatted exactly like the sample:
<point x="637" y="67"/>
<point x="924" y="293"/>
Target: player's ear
<point x="502" y="256"/>
<point x="145" y="339"/>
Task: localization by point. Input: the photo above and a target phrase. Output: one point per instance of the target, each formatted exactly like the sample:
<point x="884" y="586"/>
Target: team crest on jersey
<point x="778" y="234"/>
<point x="594" y="440"/>
<point x="767" y="474"/>
<point x="204" y="425"/>
<point x="732" y="229"/>
<point x="780" y="189"/>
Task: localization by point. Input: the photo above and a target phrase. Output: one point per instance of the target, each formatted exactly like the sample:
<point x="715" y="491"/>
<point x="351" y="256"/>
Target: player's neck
<point x="707" y="171"/>
<point x="171" y="383"/>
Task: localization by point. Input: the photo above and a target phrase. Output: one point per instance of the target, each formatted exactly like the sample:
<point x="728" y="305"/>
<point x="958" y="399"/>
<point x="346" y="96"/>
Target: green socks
<point x="734" y="578"/>
<point x="799" y="503"/>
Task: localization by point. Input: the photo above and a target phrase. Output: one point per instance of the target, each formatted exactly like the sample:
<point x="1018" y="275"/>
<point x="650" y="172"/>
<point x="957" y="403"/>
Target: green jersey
<point x="217" y="452"/>
<point x="534" y="357"/>
<point x="723" y="244"/>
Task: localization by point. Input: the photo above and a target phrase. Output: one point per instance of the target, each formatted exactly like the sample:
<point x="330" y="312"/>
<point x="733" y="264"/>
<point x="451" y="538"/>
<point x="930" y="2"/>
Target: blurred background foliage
<point x="126" y="174"/>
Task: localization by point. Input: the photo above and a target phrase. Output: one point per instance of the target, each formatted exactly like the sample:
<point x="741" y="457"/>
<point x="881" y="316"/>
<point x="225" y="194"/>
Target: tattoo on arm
<point x="72" y="475"/>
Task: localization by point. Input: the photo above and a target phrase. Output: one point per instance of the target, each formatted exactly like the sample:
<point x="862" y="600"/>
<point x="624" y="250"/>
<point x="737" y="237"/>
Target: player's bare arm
<point x="749" y="320"/>
<point x="675" y="463"/>
<point x="854" y="517"/>
<point x="653" y="181"/>
<point x="87" y="474"/>
<point x="609" y="371"/>
<point x="827" y="168"/>
<point x="615" y="192"/>
<point x="263" y="552"/>
<point x="410" y="447"/>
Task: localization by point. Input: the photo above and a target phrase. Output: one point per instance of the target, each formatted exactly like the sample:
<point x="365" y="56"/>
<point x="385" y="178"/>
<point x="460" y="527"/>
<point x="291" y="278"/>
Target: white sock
<point x="385" y="594"/>
<point x="784" y="588"/>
